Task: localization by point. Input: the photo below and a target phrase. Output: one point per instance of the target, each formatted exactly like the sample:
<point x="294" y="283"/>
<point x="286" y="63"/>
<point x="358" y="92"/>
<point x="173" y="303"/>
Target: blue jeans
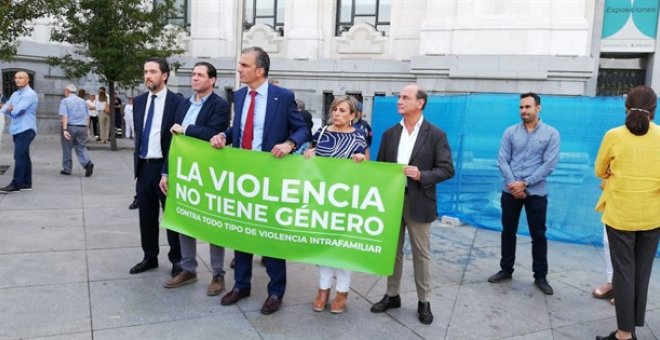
<point x="23" y="164"/>
<point x="535" y="209"/>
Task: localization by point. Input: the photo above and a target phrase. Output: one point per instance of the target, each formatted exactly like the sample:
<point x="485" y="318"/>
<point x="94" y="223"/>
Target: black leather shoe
<point x="62" y="172"/>
<point x="386" y="303"/>
<point x="10" y="188"/>
<point x="544" y="286"/>
<point x="271" y="305"/>
<point x="233" y="296"/>
<point x="176" y="270"/>
<point x="143" y="266"/>
<point x="499" y="277"/>
<point x="424" y="311"/>
<point x="89" y="169"/>
<point x="612" y="336"/>
<point x="133" y="205"/>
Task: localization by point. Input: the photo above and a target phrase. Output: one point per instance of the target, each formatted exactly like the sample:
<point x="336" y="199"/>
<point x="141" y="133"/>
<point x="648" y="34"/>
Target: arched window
<point x="376" y="13"/>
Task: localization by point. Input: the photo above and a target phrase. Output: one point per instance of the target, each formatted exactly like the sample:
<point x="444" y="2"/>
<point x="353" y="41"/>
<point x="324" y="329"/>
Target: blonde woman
<point x="337" y="140"/>
<point x="104" y="116"/>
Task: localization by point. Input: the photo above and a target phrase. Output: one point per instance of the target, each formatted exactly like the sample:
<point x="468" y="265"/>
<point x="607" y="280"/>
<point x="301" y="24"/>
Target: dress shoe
<point x="182" y="279"/>
<point x="176" y="269"/>
<point x="271" y="305"/>
<point x="10" y="188"/>
<point x="424" y="311"/>
<point x="133" y="205"/>
<point x="65" y="173"/>
<point x="339" y="305"/>
<point x="143" y="266"/>
<point x="544" y="286"/>
<point x="612" y="336"/>
<point x="89" y="169"/>
<point x="386" y="303"/>
<point x="321" y="300"/>
<point x="27" y="188"/>
<point x="233" y="296"/>
<point x="217" y="286"/>
<point x="499" y="277"/>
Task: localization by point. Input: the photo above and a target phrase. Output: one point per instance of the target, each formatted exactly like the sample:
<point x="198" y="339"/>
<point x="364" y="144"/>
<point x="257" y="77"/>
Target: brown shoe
<point x="271" y="305"/>
<point x="321" y="300"/>
<point x="339" y="304"/>
<point x="233" y="296"/>
<point x="217" y="286"/>
<point x="181" y="279"/>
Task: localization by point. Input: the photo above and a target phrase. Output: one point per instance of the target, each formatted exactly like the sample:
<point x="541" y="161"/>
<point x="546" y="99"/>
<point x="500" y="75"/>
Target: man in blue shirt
<point x="22" y="109"/>
<point x="75" y="119"/>
<point x="528" y="154"/>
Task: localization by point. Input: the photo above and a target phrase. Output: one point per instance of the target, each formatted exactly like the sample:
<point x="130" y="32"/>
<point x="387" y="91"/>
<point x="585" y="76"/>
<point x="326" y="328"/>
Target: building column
<point x="435" y="36"/>
<point x="304" y="37"/>
<point x="213" y="30"/>
<point x="405" y="28"/>
<point x="367" y="106"/>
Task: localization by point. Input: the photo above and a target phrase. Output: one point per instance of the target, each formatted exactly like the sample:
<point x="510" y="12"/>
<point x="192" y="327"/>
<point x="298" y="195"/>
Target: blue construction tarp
<point x="474" y="125"/>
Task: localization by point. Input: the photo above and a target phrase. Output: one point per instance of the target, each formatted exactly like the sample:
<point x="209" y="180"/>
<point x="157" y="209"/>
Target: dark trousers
<point x="632" y="254"/>
<point x="22" y="162"/>
<point x="535" y="209"/>
<point x="94" y="122"/>
<point x="150" y="200"/>
<point x="276" y="269"/>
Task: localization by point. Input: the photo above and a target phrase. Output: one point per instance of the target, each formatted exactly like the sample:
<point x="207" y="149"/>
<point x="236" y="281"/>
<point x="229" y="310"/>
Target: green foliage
<point x="112" y="38"/>
<point x="15" y="21"/>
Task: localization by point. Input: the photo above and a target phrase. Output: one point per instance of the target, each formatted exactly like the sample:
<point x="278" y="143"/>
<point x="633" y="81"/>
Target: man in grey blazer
<point x="424" y="149"/>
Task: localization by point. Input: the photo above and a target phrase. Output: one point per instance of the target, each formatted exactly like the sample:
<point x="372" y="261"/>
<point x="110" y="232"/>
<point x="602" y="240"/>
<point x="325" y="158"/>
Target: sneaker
<point x="9" y="188"/>
<point x="89" y="169"/>
<point x="182" y="279"/>
<point x="217" y="286"/>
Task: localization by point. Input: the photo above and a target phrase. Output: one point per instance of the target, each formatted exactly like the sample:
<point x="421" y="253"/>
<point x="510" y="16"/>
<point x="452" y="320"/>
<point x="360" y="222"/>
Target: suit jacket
<point x="213" y="118"/>
<point x="283" y="121"/>
<point x="139" y="111"/>
<point x="432" y="156"/>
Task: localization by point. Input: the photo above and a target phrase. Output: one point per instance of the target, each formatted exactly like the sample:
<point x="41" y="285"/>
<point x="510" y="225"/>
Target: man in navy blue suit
<point x="201" y="116"/>
<point x="265" y="119"/>
<point x="153" y="114"/>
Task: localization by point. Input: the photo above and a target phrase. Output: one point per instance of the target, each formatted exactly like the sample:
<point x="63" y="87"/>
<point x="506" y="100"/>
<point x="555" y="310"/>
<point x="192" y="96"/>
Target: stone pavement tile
<point x="114" y="235"/>
<point x="569" y="306"/>
<point x="589" y="330"/>
<point x="115" y="263"/>
<point x="541" y="335"/>
<point x="45" y="310"/>
<point x="111" y="200"/>
<point x="492" y="238"/>
<point x="485" y="262"/>
<point x="38" y="269"/>
<point x="568" y="256"/>
<point x="225" y="326"/>
<point x="113" y="214"/>
<point x="301" y="322"/>
<point x="585" y="280"/>
<point x="653" y="322"/>
<point x="38" y="199"/>
<point x="109" y="184"/>
<point x="368" y="284"/>
<point x="138" y="301"/>
<point x="488" y="311"/>
<point x="67" y="336"/>
<point x="36" y="217"/>
<point x="24" y="238"/>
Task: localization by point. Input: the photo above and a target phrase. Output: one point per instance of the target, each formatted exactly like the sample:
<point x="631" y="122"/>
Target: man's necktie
<point x="248" y="130"/>
<point x="144" y="143"/>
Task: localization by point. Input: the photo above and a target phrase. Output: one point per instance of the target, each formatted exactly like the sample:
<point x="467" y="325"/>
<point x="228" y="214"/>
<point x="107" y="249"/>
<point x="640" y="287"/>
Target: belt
<point x="77" y="125"/>
<point x="152" y="160"/>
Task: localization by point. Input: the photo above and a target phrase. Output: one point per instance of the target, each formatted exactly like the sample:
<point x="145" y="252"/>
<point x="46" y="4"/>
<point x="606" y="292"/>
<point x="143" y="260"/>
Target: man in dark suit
<point x="201" y="116"/>
<point x="424" y="149"/>
<point x="265" y="120"/>
<point x="153" y="113"/>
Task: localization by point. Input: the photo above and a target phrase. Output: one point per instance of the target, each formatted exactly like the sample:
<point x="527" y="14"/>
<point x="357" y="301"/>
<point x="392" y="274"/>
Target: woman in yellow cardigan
<point x="629" y="158"/>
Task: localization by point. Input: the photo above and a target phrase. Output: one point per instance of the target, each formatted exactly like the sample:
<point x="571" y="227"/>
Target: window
<point x="181" y="17"/>
<point x="373" y="12"/>
<point x="267" y="12"/>
<point x="8" y="85"/>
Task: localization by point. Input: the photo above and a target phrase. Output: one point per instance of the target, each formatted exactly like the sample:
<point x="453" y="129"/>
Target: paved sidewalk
<point x="66" y="248"/>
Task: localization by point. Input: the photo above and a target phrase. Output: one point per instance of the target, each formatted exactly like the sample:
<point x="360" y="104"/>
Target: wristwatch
<point x="293" y="143"/>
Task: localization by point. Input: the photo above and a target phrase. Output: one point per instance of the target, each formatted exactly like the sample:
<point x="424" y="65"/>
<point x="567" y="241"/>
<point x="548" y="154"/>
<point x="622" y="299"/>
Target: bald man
<point x="22" y="109"/>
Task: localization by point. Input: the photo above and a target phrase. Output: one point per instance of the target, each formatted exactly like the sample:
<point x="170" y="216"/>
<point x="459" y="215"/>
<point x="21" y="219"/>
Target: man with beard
<point x="528" y="154"/>
<point x="153" y="114"/>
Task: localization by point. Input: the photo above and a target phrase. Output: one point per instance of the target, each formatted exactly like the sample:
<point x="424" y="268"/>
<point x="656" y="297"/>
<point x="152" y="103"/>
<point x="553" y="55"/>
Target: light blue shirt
<point x="261" y="101"/>
<point x="193" y="111"/>
<point x="24" y="114"/>
<point x="75" y="109"/>
<point x="529" y="156"/>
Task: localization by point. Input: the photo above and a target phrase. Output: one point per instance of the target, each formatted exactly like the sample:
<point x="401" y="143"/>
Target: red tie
<point x="248" y="130"/>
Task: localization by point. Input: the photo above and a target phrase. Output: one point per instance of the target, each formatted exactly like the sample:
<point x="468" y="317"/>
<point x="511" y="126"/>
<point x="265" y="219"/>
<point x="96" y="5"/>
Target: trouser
<point x="343" y="278"/>
<point x="608" y="260"/>
<point x="129" y="128"/>
<point x="275" y="268"/>
<point x="23" y="163"/>
<point x="189" y="256"/>
<point x="535" y="209"/>
<point x="150" y="199"/>
<point x="632" y="255"/>
<point x="104" y="122"/>
<point x="419" y="234"/>
<point x="78" y="142"/>
<point x="94" y="125"/>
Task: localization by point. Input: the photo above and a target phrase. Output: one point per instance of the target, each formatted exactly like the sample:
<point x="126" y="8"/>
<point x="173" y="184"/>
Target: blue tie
<point x="144" y="143"/>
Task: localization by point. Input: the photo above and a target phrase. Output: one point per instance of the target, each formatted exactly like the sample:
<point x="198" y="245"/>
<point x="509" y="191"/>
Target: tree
<point x="15" y="21"/>
<point x="112" y="38"/>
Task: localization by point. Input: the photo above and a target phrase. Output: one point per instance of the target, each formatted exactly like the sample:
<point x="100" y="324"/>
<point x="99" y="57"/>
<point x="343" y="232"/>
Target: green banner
<point x="332" y="212"/>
